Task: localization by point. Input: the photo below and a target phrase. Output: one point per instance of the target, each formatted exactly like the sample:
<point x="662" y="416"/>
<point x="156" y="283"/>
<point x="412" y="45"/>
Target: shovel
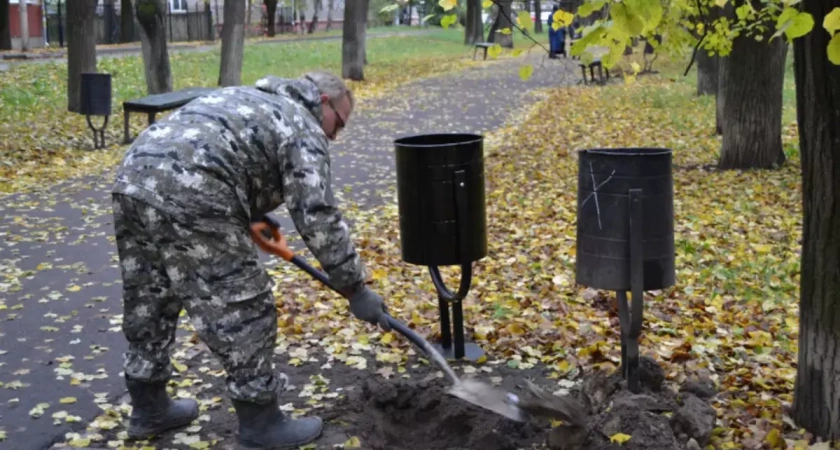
<point x="475" y="392"/>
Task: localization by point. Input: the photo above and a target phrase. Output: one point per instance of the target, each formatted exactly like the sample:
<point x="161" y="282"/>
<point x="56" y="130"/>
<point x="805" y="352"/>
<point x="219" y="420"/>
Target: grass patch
<point x="40" y="140"/>
<point x="676" y="69"/>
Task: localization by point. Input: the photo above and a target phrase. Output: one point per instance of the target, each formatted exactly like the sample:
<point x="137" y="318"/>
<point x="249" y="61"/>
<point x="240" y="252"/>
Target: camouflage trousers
<point x="210" y="269"/>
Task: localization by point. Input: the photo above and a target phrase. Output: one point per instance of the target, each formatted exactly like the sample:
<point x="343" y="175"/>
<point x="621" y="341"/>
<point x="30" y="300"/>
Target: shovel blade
<point x="490" y="398"/>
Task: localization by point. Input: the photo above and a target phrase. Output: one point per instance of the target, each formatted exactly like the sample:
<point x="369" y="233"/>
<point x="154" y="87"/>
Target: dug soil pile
<point x="420" y="415"/>
<point x="620" y="419"/>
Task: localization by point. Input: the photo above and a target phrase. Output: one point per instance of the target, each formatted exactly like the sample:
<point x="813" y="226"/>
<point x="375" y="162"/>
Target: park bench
<point x="595" y="63"/>
<point x="484" y="45"/>
<point x="157" y="103"/>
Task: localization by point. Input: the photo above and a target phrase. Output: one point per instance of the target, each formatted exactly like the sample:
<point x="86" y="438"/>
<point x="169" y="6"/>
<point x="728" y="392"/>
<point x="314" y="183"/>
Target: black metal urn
<point x="440" y="188"/>
<point x="625" y="234"/>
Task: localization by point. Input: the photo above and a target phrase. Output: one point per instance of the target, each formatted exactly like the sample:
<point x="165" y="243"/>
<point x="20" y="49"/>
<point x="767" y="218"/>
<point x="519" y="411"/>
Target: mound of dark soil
<point x="420" y="415"/>
<point x="614" y="410"/>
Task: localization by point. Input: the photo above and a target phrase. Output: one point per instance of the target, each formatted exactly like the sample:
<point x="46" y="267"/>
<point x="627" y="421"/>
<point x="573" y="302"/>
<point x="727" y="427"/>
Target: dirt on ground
<point x="420" y="415"/>
<point x="620" y="419"/>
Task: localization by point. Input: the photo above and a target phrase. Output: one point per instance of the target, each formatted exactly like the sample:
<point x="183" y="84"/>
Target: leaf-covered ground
<point x="732" y="314"/>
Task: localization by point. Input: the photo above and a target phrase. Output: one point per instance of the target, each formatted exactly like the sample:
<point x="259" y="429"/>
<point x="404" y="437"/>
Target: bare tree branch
<point x="702" y="38"/>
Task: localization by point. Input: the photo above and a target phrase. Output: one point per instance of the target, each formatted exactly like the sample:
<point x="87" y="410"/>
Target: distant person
<point x="556" y="38"/>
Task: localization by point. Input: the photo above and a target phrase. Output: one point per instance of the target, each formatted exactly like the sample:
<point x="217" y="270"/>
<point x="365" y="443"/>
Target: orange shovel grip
<point x="276" y="245"/>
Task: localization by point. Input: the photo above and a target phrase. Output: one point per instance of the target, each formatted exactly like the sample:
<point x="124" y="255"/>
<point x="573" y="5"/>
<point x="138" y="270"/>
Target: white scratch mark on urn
<point x="594" y="193"/>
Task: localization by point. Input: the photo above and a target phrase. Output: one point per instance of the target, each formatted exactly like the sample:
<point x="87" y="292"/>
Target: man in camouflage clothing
<point x="184" y="198"/>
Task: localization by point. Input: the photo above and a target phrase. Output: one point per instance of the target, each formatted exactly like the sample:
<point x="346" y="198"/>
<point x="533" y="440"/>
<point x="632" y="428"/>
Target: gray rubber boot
<point x="264" y="426"/>
<point x="153" y="412"/>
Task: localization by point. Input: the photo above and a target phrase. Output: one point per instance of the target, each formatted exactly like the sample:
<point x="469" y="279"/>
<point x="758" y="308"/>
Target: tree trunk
<point x="126" y="21"/>
<point x="753" y="78"/>
<point x="5" y="29"/>
<point x="330" y="7"/>
<point x="707" y="66"/>
<point x="473" y="30"/>
<point x="707" y="73"/>
<point x="302" y="16"/>
<point x="353" y="40"/>
<point x="538" y="23"/>
<point x="719" y="100"/>
<point x="248" y="13"/>
<point x="23" y="12"/>
<point x="494" y="26"/>
<point x="81" y="47"/>
<point x="503" y="21"/>
<point x="816" y="395"/>
<point x="316" y="8"/>
<point x="366" y="18"/>
<point x="151" y="15"/>
<point x="233" y="43"/>
<point x="271" y="12"/>
<point x="728" y="12"/>
<point x="109" y="14"/>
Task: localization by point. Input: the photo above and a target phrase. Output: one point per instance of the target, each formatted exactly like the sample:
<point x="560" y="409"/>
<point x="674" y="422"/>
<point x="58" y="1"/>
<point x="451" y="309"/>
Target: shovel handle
<point x="424" y="346"/>
<point x="408" y="333"/>
<point x="278" y="246"/>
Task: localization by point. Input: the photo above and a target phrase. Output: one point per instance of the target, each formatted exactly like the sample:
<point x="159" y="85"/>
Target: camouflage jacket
<point x="233" y="155"/>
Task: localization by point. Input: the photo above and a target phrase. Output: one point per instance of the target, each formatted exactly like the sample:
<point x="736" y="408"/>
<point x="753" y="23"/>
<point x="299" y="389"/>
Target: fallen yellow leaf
<point x="620" y="438"/>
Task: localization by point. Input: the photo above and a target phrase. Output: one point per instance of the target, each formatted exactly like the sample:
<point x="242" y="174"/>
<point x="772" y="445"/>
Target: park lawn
<point x="278" y="37"/>
<point x="40" y="140"/>
<point x="733" y="313"/>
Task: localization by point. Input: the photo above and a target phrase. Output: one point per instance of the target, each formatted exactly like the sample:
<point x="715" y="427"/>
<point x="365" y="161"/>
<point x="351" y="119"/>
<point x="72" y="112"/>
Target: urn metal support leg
<point x="452" y="332"/>
<point x="445" y="324"/>
<point x="98" y="135"/>
<point x="630" y="316"/>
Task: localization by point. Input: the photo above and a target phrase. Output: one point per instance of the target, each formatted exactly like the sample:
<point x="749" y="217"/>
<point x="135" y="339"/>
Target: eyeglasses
<point x="341" y="122"/>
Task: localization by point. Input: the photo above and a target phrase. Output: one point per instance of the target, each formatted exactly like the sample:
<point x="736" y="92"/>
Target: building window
<point x="178" y="6"/>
